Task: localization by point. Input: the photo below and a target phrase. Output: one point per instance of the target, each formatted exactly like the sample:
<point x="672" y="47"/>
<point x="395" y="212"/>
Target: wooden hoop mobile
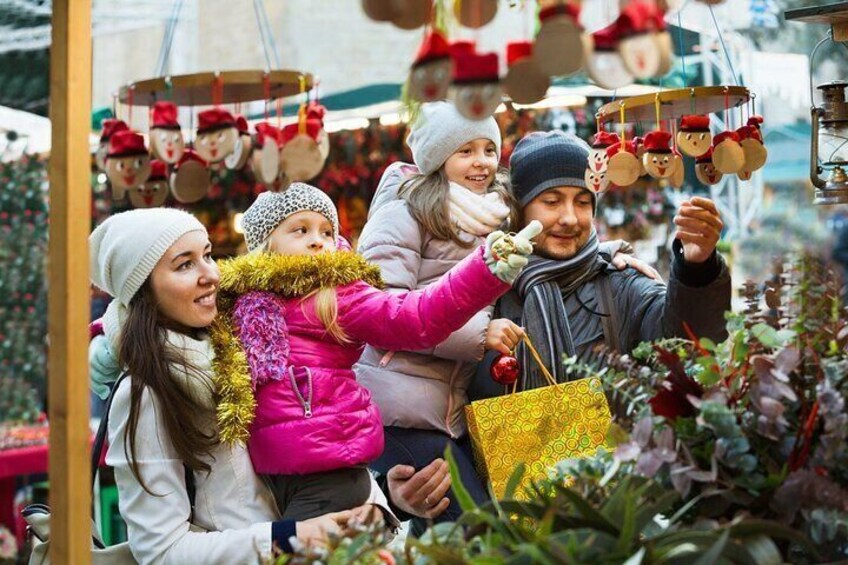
<point x="674" y="103"/>
<point x="235" y="86"/>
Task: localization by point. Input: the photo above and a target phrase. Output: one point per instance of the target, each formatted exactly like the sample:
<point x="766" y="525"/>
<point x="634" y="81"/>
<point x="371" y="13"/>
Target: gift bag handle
<point x="535" y="354"/>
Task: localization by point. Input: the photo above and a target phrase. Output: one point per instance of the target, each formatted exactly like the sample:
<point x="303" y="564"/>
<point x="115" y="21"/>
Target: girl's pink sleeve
<point x="422" y="318"/>
<point x="260" y="324"/>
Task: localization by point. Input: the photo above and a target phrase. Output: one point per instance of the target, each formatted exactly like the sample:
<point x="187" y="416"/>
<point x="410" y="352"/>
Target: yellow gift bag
<point x="538" y="427"/>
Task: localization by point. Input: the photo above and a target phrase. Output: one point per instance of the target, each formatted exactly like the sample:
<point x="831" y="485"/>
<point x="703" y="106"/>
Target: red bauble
<point x="504" y="369"/>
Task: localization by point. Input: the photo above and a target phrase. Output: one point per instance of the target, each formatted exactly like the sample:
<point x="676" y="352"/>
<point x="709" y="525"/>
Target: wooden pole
<point x="68" y="298"/>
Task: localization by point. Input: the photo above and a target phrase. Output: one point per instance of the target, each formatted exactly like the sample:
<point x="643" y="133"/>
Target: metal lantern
<point x="829" y="145"/>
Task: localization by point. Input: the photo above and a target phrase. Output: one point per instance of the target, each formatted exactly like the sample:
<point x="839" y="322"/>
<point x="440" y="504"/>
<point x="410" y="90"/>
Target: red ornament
<point x="504" y="369"/>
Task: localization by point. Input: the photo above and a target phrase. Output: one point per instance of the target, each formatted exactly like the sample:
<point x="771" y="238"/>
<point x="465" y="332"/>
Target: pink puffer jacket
<point x="311" y="414"/>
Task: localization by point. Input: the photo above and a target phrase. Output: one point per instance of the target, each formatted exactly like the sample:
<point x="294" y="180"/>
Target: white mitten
<point x="473" y="213"/>
<point x="506" y="254"/>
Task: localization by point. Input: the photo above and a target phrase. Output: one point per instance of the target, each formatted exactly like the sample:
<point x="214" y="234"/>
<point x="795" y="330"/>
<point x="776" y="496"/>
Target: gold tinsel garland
<point x="288" y="275"/>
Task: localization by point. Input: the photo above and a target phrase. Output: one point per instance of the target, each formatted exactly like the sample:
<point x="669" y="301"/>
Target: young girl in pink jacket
<point x="296" y="315"/>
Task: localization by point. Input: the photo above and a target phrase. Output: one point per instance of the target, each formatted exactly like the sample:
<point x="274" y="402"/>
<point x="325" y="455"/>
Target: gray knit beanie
<point x="127" y="246"/>
<point x="272" y="208"/>
<point x="543" y="160"/>
<point x="441" y="129"/>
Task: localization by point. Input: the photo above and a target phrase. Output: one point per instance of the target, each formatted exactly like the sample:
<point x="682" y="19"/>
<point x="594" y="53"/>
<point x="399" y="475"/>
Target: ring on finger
<point x="427" y="500"/>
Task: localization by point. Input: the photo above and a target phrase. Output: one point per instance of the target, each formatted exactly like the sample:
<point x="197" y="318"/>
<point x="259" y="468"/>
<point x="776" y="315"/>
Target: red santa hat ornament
<point x="658" y="159"/>
<point x="623" y="168"/>
<point x="190" y="179"/>
<point x="524" y="83"/>
<point x="127" y="162"/>
<point x="561" y="44"/>
<point x="604" y="63"/>
<point x="432" y="69"/>
<point x="694" y="137"/>
<point x="728" y="156"/>
<point x="110" y="126"/>
<point x="476" y="85"/>
<point x="166" y="136"/>
<point x="154" y="191"/>
<point x="705" y="169"/>
<point x="598" y="157"/>
<point x="475" y="13"/>
<point x="265" y="158"/>
<point x="216" y="135"/>
<point x="302" y="156"/>
<point x="236" y="160"/>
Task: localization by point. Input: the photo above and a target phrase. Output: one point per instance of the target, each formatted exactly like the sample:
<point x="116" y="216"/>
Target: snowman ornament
<point x="640" y="48"/>
<point x="658" y="159"/>
<point x="216" y="135"/>
<point x="728" y="156"/>
<point x="706" y="171"/>
<point x="751" y="141"/>
<point x="604" y="63"/>
<point x="154" y="191"/>
<point x="110" y="128"/>
<point x="127" y="163"/>
<point x="236" y="160"/>
<point x="430" y="76"/>
<point x="476" y="88"/>
<point x="694" y="137"/>
<point x="598" y="158"/>
<point x="166" y="136"/>
<point x="561" y="44"/>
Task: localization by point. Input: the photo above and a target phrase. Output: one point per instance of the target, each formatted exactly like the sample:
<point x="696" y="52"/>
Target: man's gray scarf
<point x="543" y="286"/>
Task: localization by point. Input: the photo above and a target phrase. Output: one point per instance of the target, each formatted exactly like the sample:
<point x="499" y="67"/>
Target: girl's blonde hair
<point x="427" y="198"/>
<point x="326" y="302"/>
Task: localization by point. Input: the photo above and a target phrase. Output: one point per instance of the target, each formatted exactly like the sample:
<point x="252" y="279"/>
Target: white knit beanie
<point x="127" y="246"/>
<point x="440" y="130"/>
<point x="271" y="208"/>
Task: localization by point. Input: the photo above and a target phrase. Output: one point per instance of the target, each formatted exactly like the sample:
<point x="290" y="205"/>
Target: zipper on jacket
<point x="306" y="403"/>
<point x="456" y="367"/>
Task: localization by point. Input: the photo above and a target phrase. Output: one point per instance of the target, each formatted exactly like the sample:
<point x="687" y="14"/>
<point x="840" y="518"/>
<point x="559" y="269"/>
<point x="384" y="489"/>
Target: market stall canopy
<point x="24" y="132"/>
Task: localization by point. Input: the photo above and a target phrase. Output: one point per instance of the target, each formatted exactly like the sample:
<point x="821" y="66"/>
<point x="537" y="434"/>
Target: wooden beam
<point x="68" y="295"/>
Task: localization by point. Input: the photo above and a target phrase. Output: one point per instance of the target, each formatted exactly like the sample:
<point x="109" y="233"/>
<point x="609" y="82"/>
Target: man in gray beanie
<point x="569" y="299"/>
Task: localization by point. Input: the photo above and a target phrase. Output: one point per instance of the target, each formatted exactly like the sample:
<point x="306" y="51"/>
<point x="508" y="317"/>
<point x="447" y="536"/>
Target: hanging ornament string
<point x="598" y="126"/>
<point x="657" y="111"/>
<point x="692" y="101"/>
<point x="682" y="53"/>
<point x="217" y="90"/>
<point x="130" y="105"/>
<point x="266" y="92"/>
<point x="279" y="112"/>
<point x="727" y="116"/>
<point x="621" y="112"/>
<point x="724" y="47"/>
<point x="115" y="104"/>
<point x="301" y="117"/>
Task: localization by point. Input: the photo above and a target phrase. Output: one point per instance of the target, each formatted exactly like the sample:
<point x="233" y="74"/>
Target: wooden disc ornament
<point x="301" y="157"/>
<point x="432" y="70"/>
<point x="666" y="46"/>
<point x="524" y="83"/>
<point x="216" y="135"/>
<point x="166" y="136"/>
<point x="127" y="163"/>
<point x="640" y="47"/>
<point x="265" y="158"/>
<point x="728" y="156"/>
<point x="694" y="137"/>
<point x="751" y="140"/>
<point x="706" y="171"/>
<point x="476" y="90"/>
<point x="623" y="168"/>
<point x="154" y="191"/>
<point x="598" y="157"/>
<point x="678" y="170"/>
<point x="658" y="158"/>
<point x="475" y="13"/>
<point x="561" y="42"/>
<point x="379" y="10"/>
<point x="190" y="179"/>
<point x="596" y="181"/>
<point x="236" y="160"/>
<point x="604" y="63"/>
<point x="110" y="127"/>
<point x="411" y="14"/>
<point x="639" y="144"/>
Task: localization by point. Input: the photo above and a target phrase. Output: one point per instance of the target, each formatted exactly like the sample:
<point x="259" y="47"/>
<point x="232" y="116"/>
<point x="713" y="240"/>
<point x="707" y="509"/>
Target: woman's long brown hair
<point x="144" y="353"/>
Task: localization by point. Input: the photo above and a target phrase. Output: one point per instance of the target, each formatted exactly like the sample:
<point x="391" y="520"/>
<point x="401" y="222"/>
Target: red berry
<point x="504" y="369"/>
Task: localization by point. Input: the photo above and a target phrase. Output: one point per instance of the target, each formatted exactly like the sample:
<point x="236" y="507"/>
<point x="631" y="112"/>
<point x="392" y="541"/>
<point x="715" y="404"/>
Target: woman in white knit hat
<point x="157" y="264"/>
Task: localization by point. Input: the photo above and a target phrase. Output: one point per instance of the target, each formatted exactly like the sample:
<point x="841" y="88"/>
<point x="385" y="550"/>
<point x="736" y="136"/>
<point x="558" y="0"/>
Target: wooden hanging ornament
<point x="640" y="48"/>
<point x="216" y="135"/>
<point x="236" y="160"/>
<point x="561" y="44"/>
<point x="380" y="10"/>
<point x="705" y="169"/>
<point x="301" y="157"/>
<point x="678" y="170"/>
<point x="166" y="136"/>
<point x="190" y="179"/>
<point x="475" y="13"/>
<point x="598" y="158"/>
<point x="658" y="159"/>
<point x="476" y="88"/>
<point x="751" y="140"/>
<point x="524" y="83"/>
<point x="154" y="191"/>
<point x="604" y="63"/>
<point x="639" y="144"/>
<point x="110" y="127"/>
<point x="694" y="137"/>
<point x="127" y="163"/>
<point x="623" y="168"/>
<point x="411" y="14"/>
<point x="596" y="181"/>
<point x="728" y="156"/>
<point x="431" y="73"/>
<point x="265" y="159"/>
